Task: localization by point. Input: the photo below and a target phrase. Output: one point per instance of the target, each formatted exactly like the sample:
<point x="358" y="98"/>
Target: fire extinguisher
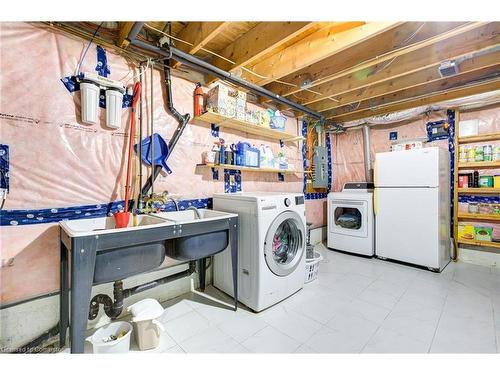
<point x="198" y="100"/>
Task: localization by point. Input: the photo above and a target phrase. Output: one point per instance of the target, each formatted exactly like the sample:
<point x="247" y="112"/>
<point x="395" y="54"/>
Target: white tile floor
<point x="356" y="305"/>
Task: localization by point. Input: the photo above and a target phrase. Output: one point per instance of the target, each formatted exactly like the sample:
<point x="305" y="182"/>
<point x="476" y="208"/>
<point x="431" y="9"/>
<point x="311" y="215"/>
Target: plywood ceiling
<point x="345" y="70"/>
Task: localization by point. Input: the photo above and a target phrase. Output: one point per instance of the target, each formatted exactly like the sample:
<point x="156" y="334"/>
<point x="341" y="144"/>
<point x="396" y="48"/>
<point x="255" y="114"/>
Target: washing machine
<point x="351" y="221"/>
<point x="271" y="251"/>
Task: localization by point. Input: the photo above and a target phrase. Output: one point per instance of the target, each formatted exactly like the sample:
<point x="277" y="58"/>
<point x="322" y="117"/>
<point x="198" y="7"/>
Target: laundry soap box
<point x="483" y="233"/>
<point x="465" y="231"/>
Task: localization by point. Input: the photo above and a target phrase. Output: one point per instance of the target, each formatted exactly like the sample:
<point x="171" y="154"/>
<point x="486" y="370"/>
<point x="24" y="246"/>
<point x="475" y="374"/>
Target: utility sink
<point x="120" y="259"/>
<point x="200" y="245"/>
<point x="104" y="225"/>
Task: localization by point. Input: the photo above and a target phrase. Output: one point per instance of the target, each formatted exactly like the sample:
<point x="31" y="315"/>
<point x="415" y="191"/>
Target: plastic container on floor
<point x="147" y="327"/>
<point x="312" y="267"/>
<point x="112" y="338"/>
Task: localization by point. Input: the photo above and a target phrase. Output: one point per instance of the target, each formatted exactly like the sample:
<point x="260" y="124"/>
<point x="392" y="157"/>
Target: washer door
<point x="284" y="244"/>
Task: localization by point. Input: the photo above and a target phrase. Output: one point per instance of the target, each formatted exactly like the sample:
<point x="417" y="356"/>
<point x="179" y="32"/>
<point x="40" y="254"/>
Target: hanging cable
<point x="86" y="49"/>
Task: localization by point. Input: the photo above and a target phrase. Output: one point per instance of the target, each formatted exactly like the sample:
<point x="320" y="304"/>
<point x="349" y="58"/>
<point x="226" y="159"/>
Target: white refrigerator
<point x="412" y="206"/>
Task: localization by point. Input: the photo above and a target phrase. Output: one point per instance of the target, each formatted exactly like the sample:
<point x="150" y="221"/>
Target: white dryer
<point x="351" y="220"/>
<point x="271" y="251"/>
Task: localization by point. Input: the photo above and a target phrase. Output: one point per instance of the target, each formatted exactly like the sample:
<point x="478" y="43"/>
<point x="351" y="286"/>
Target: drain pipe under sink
<point x="113" y="308"/>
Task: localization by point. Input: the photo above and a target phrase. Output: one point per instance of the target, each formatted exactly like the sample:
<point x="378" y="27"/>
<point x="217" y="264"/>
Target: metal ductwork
<point x="366" y="154"/>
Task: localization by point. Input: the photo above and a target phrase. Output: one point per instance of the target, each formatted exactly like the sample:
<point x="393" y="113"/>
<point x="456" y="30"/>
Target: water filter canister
<point x="114" y="99"/>
<point x="90" y="102"/>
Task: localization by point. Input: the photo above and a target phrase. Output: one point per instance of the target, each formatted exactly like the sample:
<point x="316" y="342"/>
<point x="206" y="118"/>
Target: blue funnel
<point x="160" y="149"/>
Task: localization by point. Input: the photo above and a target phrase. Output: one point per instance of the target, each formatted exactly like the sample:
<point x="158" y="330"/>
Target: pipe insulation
<point x="202" y="66"/>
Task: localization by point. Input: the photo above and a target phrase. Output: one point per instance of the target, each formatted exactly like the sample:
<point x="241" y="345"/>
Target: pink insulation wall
<point x="56" y="161"/>
<point x="347" y="148"/>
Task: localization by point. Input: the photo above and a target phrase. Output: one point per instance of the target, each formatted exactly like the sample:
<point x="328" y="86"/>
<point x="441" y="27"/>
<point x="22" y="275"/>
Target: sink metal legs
<point x="82" y="257"/>
<point x="202" y="265"/>
<point x="233" y="241"/>
<point x="64" y="296"/>
<point x="82" y="277"/>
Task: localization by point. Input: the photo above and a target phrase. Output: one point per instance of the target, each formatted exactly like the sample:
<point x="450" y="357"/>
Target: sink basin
<point x="191" y="215"/>
<point x="104" y="225"/>
<point x="123" y="260"/>
<point x="200" y="245"/>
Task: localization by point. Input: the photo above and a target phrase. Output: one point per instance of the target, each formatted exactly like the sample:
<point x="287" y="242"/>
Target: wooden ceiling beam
<point x="386" y="85"/>
<point x="125" y="27"/>
<point x="423" y="89"/>
<point x="432" y="98"/>
<point x="198" y="34"/>
<point x="357" y="62"/>
<point x="313" y="48"/>
<point x="259" y="41"/>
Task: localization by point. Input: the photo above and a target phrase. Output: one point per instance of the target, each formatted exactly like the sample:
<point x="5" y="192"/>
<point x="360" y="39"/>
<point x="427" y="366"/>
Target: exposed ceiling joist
<point x="259" y="41"/>
<point x="409" y="59"/>
<point x="435" y="97"/>
<point x="423" y="89"/>
<point x="315" y="47"/>
<point x="125" y="28"/>
<point x="408" y="78"/>
<point x="198" y="34"/>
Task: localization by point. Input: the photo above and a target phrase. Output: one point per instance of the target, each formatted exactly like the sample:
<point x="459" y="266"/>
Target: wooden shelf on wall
<point x="475" y="191"/>
<point x="466" y="215"/>
<point x="495" y="245"/>
<point x="251" y="169"/>
<point x="232" y="123"/>
<point x="480" y="164"/>
<point x="480" y="138"/>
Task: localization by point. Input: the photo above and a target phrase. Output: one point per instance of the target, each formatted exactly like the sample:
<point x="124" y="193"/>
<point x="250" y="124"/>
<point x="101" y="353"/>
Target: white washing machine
<point x="350" y="219"/>
<point x="271" y="251"/>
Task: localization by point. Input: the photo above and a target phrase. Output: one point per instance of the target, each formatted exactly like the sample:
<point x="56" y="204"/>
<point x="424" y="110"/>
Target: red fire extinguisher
<point x="198" y="100"/>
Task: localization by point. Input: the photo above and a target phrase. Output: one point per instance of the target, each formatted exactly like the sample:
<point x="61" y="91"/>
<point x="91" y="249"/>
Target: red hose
<point x="135" y="97"/>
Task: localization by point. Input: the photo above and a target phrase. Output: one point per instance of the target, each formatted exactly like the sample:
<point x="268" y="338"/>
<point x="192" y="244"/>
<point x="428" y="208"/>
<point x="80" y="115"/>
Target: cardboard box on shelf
<point x="221" y="99"/>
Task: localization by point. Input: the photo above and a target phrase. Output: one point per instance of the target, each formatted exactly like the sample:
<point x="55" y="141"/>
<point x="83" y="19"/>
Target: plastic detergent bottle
<point x="264" y="161"/>
<point x="269" y="157"/>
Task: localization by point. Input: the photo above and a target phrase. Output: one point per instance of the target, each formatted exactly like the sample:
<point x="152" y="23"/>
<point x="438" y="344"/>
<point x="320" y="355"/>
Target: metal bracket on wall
<point x="214" y="130"/>
<point x="215" y="173"/>
<point x="282" y="144"/>
<point x="281" y="177"/>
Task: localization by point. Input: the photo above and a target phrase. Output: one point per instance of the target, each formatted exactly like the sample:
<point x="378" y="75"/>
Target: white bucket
<point x="120" y="345"/>
<point x="147" y="327"/>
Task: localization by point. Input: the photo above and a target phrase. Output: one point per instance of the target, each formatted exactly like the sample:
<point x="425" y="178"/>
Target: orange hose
<point x="135" y="98"/>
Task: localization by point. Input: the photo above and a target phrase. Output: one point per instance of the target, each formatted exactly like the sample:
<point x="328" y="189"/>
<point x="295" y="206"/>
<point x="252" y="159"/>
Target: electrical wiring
<point x="86" y="49"/>
<point x="232" y="62"/>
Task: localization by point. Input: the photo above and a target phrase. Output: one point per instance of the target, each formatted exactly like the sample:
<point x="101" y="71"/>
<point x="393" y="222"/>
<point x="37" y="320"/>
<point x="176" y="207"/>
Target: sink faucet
<point x="159" y="199"/>
<point x="195" y="209"/>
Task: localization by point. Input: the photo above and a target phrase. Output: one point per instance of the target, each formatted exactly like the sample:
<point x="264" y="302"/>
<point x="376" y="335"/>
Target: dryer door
<point x="348" y="217"/>
<point x="284" y="244"/>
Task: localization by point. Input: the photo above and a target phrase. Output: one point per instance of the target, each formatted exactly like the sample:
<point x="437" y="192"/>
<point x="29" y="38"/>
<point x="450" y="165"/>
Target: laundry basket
<point x="312" y="267"/>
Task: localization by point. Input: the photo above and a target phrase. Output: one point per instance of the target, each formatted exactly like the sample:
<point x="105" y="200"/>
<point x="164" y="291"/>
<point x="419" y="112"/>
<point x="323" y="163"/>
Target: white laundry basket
<point x="100" y="343"/>
<point x="148" y="329"/>
<point x="312" y="267"/>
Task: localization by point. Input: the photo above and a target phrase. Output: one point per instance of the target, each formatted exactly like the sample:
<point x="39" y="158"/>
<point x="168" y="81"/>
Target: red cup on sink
<point x="121" y="219"/>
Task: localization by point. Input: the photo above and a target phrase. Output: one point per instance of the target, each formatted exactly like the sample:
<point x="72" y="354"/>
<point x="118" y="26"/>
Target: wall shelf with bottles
<point x="490" y="164"/>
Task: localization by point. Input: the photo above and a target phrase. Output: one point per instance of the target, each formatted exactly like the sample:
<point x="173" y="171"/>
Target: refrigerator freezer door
<point x="411" y="168"/>
<point x="410" y="227"/>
